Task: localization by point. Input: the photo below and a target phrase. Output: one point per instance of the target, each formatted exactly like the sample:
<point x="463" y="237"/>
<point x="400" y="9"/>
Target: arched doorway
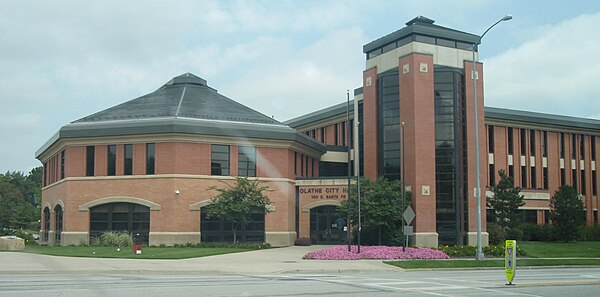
<point x="220" y="230"/>
<point x="46" y="226"/>
<point x="121" y="217"/>
<point x="325" y="226"/>
<point x="58" y="215"/>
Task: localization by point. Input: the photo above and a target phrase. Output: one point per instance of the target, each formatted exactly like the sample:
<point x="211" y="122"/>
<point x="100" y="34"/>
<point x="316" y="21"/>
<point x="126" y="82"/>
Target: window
<point x="491" y="139"/>
<point x="301" y="165"/>
<point x="533" y="178"/>
<point x="217" y="229"/>
<point x="574" y="176"/>
<point x="544" y="144"/>
<point x="246" y="161"/>
<point x="295" y="163"/>
<point x="111" y="159"/>
<point x="545" y="177"/>
<point x="89" y="160"/>
<point x="593" y="142"/>
<point x="219" y="159"/>
<point x="492" y="176"/>
<point x="312" y="168"/>
<point x="511" y="171"/>
<point x="128" y="160"/>
<point x="594" y="183"/>
<point x="150" y="158"/>
<point x="425" y="39"/>
<point x="45" y="177"/>
<point x="511" y="144"/>
<point x="573" y="146"/>
<point x="563" y="176"/>
<point x="323" y="134"/>
<point x="62" y="164"/>
<point x="131" y="218"/>
<point x="582" y="147"/>
<point x="532" y="142"/>
<point x="530" y="216"/>
<point x="562" y="145"/>
<point x="583" y="184"/>
<point x="445" y="42"/>
<point x="523" y="142"/>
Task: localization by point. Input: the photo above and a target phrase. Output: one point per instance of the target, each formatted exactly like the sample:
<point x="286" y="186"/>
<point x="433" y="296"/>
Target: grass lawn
<point x="587" y="249"/>
<point x="582" y="249"/>
<point x="147" y="252"/>
<point x="413" y="264"/>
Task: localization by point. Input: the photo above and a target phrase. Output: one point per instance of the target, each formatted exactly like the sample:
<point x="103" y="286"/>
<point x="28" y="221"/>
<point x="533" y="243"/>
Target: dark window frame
<point x="150" y="158"/>
<point x="111" y="160"/>
<point x="247" y="161"/>
<point x="220" y="160"/>
<point x="62" y="164"/>
<point x="90" y="156"/>
<point x="128" y="159"/>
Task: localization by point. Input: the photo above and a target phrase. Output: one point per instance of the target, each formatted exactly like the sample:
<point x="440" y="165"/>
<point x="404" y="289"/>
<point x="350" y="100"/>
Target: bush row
<point x="249" y="245"/>
<point x="535" y="232"/>
<point x="470" y="251"/>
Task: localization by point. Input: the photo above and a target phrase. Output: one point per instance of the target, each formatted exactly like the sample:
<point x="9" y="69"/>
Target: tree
<point x="567" y="212"/>
<point x="15" y="212"/>
<point x="237" y="203"/>
<point x="506" y="202"/>
<point x="381" y="207"/>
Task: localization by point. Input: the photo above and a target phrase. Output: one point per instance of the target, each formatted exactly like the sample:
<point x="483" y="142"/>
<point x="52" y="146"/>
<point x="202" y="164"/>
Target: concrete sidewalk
<point x="276" y="260"/>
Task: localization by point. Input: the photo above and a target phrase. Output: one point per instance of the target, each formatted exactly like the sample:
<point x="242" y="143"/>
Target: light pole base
<point x="479" y="256"/>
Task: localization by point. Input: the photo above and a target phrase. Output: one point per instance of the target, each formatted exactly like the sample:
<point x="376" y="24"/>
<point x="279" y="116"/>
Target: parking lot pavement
<point x="276" y="260"/>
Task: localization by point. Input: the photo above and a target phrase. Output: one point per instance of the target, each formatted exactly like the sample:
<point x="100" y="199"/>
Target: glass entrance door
<point x="323" y="226"/>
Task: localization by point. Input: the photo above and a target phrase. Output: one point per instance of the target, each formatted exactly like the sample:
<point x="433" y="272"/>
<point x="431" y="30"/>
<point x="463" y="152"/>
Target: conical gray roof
<point x="184" y="96"/>
<point x="185" y="104"/>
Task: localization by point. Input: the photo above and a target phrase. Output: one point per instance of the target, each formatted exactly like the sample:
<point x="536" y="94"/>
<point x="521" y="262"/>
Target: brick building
<point x="145" y="166"/>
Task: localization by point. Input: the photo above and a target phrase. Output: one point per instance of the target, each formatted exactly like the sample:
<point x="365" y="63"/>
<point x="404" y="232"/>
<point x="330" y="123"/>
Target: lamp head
<point x="507" y="17"/>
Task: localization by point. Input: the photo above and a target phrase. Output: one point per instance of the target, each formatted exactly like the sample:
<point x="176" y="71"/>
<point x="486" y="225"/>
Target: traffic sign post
<point x="510" y="260"/>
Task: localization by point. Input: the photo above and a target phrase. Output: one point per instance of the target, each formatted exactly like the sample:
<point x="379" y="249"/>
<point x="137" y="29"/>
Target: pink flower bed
<point x="340" y="252"/>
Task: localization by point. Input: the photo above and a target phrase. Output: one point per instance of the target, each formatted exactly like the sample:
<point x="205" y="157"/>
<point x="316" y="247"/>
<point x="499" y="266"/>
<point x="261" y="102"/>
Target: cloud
<point x="556" y="71"/>
<point x="286" y="86"/>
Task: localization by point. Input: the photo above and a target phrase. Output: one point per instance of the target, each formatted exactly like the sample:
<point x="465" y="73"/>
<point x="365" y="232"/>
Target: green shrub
<point x="116" y="239"/>
<point x="589" y="233"/>
<point x="535" y="232"/>
<point x="514" y="234"/>
<point x="470" y="251"/>
<point x="497" y="234"/>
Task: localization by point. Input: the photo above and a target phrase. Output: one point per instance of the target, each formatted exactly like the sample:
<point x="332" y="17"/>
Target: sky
<point x="64" y="60"/>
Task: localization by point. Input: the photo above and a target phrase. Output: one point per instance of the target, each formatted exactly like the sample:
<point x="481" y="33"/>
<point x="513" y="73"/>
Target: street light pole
<point x="348" y="148"/>
<point x="479" y="256"/>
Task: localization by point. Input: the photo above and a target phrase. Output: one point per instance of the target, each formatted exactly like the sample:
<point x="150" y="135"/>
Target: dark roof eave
<point x="504" y="114"/>
<point x="184" y="126"/>
<point x="320" y="114"/>
<point x="429" y="30"/>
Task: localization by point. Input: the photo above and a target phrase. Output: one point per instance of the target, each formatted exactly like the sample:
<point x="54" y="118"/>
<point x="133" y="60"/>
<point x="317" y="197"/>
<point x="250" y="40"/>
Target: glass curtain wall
<point x="450" y="155"/>
<point x="388" y="105"/>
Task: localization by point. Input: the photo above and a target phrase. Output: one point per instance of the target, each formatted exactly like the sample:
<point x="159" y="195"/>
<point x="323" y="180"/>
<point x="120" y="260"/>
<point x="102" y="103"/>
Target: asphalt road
<point x="528" y="282"/>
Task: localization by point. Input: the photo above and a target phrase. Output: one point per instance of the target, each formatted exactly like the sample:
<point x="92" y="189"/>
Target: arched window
<point x="124" y="217"/>
<point x="46" y="227"/>
<point x="219" y="230"/>
<point x="58" y="212"/>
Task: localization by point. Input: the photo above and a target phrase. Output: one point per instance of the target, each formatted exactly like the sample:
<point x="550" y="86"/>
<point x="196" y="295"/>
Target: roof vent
<point x="421" y="20"/>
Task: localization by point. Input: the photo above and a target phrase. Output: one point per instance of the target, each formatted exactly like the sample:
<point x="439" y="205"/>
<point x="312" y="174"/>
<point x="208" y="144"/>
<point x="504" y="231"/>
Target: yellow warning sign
<point x="510" y="260"/>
